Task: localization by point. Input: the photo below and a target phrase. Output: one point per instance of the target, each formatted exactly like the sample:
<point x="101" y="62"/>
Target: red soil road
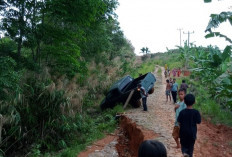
<point x="213" y="140"/>
<point x="98" y="145"/>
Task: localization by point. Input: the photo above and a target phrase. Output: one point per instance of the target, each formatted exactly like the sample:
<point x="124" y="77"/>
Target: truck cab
<point x="120" y="91"/>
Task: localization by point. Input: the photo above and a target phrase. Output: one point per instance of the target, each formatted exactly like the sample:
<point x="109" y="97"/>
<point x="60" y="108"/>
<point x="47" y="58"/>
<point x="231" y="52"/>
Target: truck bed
<point x="134" y="83"/>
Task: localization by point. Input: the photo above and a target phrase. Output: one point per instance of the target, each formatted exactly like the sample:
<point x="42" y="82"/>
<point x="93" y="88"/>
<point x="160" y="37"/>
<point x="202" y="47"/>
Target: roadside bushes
<point x="35" y="117"/>
<point x="91" y="128"/>
<point x="215" y="69"/>
<point x="49" y="112"/>
<point x="9" y="78"/>
<point x="208" y="106"/>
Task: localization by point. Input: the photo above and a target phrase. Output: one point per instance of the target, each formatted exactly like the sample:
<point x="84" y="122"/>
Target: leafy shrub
<point x="7" y="46"/>
<point x="145" y="57"/>
<point x="41" y="118"/>
<point x="9" y="78"/>
<point x="91" y="129"/>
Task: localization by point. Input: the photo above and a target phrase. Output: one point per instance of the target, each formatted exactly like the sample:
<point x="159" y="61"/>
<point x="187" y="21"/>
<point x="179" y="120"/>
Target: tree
<point x="14" y="21"/>
<point x="145" y="50"/>
<point x="215" y="21"/>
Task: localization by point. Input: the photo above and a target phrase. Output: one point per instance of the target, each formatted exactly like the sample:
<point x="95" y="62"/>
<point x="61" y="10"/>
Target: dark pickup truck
<point x="120" y="91"/>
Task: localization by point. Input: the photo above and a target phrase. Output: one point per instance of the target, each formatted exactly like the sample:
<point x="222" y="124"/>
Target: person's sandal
<point x="186" y="155"/>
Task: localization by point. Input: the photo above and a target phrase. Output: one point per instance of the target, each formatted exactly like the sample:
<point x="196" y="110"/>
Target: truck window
<point x="125" y="83"/>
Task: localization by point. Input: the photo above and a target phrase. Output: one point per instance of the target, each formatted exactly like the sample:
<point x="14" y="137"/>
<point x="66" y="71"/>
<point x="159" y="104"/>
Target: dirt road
<point x="213" y="141"/>
<point x="160" y="116"/>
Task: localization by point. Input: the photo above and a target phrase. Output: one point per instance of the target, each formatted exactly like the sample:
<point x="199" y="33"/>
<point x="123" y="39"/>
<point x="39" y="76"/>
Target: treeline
<point x="59" y="33"/>
<point x="57" y="60"/>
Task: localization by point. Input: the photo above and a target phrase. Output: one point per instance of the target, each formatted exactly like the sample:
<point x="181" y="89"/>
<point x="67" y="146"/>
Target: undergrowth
<point x="144" y="68"/>
<point x="94" y="127"/>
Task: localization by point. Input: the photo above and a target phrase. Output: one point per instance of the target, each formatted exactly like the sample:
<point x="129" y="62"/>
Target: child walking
<point x="188" y="120"/>
<point x="165" y="73"/>
<point x="178" y="108"/>
<point x="174" y="72"/>
<point x="178" y="72"/>
<point x="168" y="89"/>
<point x="184" y="86"/>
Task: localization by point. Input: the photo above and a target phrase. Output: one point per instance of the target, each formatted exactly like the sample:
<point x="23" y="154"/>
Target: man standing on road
<point x="144" y="95"/>
<point x="174" y="90"/>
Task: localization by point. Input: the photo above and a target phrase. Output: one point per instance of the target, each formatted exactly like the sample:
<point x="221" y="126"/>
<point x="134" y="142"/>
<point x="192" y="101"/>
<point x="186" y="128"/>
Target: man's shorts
<point x="167" y="92"/>
<point x="175" y="132"/>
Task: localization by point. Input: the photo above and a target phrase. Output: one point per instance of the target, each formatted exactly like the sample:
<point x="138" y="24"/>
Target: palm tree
<point x="145" y="50"/>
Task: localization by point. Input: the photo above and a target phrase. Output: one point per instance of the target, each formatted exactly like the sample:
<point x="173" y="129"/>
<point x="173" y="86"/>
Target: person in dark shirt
<point x="188" y="120"/>
<point x="184" y="86"/>
<point x="174" y="90"/>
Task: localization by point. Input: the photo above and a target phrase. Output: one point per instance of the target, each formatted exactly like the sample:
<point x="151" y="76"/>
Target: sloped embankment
<point x="130" y="137"/>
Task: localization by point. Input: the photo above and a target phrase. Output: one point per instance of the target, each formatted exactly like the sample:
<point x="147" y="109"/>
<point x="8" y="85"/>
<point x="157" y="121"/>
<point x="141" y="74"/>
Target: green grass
<point x="212" y="111"/>
<point x="96" y="127"/>
<point x="144" y="68"/>
<point x="160" y="72"/>
<point x="176" y="64"/>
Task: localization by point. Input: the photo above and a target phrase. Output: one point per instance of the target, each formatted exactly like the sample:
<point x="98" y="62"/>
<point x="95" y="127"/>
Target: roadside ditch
<point x="130" y="137"/>
<point x="123" y="143"/>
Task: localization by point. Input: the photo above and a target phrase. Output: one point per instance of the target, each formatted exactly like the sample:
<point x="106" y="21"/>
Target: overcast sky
<point x="154" y="23"/>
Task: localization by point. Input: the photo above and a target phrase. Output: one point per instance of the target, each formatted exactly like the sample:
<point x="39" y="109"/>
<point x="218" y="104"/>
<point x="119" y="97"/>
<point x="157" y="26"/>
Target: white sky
<point x="154" y="23"/>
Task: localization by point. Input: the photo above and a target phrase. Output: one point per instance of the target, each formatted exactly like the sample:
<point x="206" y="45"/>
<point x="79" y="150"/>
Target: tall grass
<point x="95" y="128"/>
<point x="144" y="68"/>
<point x="54" y="113"/>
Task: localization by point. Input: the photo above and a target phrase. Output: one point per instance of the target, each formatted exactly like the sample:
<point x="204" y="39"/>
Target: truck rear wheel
<point x="151" y="90"/>
<point x="136" y="104"/>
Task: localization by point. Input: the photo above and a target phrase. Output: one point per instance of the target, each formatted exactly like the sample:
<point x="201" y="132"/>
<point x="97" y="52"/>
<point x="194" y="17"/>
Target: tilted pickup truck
<point x="120" y="91"/>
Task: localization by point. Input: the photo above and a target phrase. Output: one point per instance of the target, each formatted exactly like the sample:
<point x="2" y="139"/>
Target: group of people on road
<point x="176" y="72"/>
<point x="186" y="120"/>
<point x="172" y="88"/>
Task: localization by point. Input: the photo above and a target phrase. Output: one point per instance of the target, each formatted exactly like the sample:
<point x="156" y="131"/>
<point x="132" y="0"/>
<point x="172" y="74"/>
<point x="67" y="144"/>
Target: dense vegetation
<point x="57" y="60"/>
